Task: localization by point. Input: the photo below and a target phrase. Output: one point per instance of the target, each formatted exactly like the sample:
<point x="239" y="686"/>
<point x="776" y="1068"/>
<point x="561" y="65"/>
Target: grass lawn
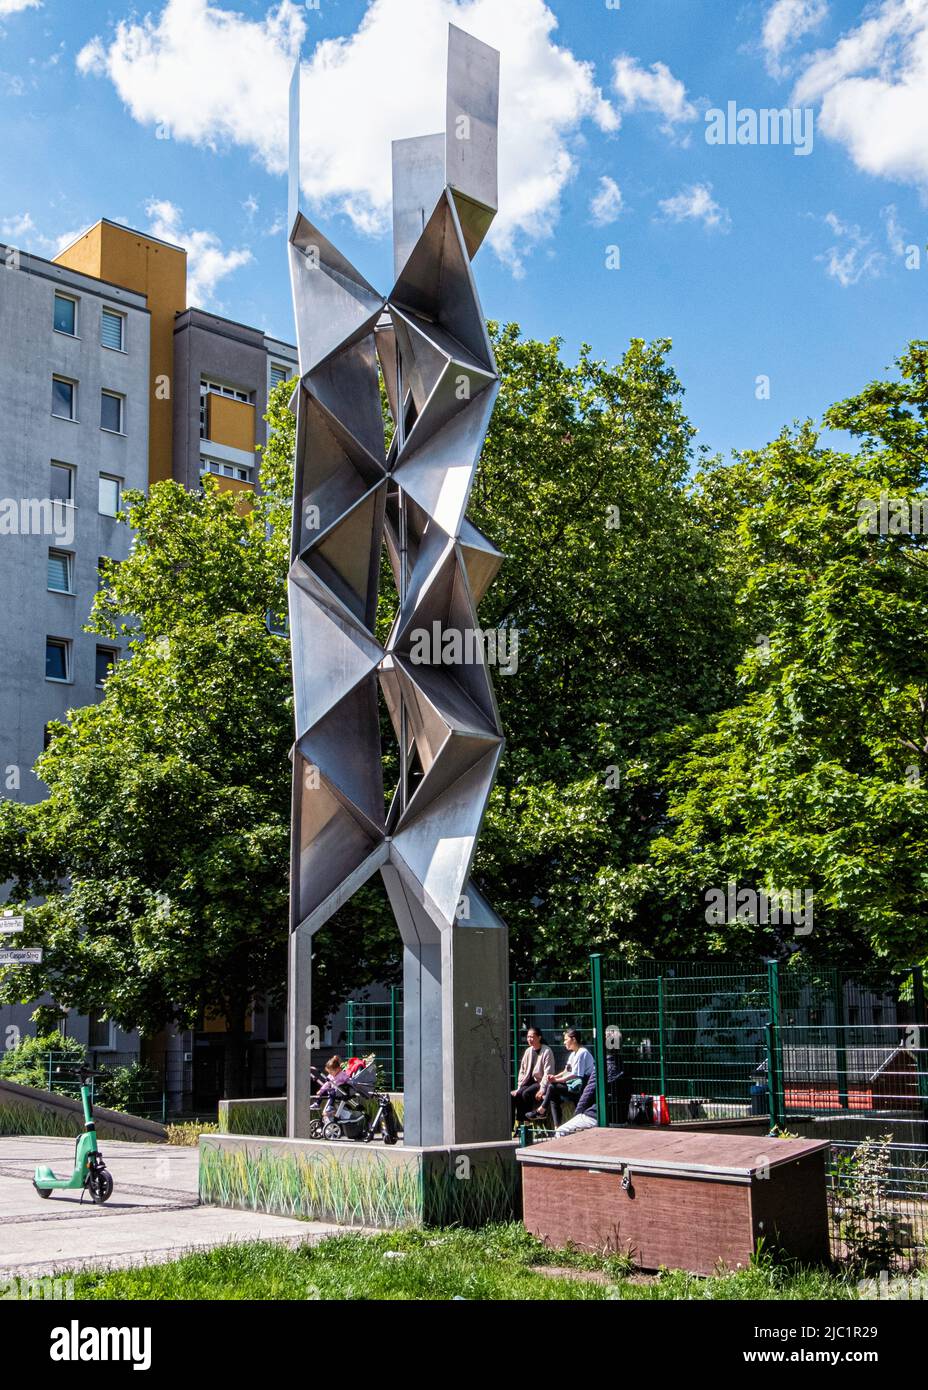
<point x="498" y="1262"/>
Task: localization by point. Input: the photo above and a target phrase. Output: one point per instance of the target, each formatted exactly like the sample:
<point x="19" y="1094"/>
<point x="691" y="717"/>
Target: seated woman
<point x="557" y="1087"/>
<point x="537" y="1061"/>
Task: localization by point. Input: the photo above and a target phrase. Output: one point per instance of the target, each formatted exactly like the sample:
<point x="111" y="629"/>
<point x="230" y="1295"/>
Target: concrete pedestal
<point x="361" y="1184"/>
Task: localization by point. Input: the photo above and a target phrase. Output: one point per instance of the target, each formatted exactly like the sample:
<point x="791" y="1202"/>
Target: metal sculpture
<point x="351" y="496"/>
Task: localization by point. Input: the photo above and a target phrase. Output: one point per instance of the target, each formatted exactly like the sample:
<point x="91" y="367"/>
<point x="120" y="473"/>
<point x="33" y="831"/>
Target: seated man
<point x="537" y="1061"/>
<point x="556" y="1087"/>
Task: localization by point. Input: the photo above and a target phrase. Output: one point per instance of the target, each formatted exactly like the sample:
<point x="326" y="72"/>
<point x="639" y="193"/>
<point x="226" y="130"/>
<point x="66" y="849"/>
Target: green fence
<point x="378" y="1027"/>
<point x="828" y="1054"/>
<point x="721" y="1039"/>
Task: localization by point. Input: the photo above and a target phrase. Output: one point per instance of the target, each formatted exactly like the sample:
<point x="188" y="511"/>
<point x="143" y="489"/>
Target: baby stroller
<point x="356" y="1084"/>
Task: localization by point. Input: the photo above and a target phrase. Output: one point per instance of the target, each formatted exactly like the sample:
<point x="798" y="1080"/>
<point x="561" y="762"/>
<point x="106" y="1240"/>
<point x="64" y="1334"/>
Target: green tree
<point x="625" y="632"/>
<point x="814" y="777"/>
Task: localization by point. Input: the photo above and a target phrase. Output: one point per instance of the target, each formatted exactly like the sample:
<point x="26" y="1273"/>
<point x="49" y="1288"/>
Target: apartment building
<point x="108" y="381"/>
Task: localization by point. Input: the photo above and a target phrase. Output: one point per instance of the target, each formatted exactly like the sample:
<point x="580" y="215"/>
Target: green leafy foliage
<point x="27" y="1063"/>
<point x="813" y="776"/>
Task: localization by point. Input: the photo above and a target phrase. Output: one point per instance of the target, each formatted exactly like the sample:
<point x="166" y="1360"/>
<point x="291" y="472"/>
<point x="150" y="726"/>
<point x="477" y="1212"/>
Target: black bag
<point x="641" y="1110"/>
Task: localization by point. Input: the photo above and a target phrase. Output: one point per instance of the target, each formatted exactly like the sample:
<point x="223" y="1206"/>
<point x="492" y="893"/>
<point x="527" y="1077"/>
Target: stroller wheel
<point x="332" y="1130"/>
<point x="389" y="1138"/>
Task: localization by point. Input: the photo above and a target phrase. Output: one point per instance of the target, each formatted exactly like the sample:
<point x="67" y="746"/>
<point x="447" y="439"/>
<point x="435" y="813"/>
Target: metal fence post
<point x="774" y="1046"/>
<point x="514" y="991"/>
<point x="599" y="1038"/>
<point x="349" y="1026"/>
<point x="660" y="1033"/>
<point x="921" y="1036"/>
<point x="844" y="1099"/>
<point x="393" y="1037"/>
<point x="49" y="1086"/>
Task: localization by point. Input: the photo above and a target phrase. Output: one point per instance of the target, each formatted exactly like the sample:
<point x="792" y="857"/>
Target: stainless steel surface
<point x="418" y="183"/>
<point x="431" y="343"/>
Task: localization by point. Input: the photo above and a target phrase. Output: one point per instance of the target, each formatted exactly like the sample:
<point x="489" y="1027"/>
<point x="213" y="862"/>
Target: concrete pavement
<point x="153" y="1214"/>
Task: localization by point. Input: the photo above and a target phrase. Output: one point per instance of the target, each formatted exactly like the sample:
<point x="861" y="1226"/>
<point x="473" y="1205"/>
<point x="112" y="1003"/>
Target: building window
<point x="65" y="319"/>
<point x="110" y="495"/>
<point x="112" y="410"/>
<point x="112" y="330"/>
<point x="106" y="660"/>
<point x="226" y="470"/>
<point x="46" y="738"/>
<point x="60" y="572"/>
<point x="279" y="374"/>
<point x="64" y="398"/>
<point x="99" y="1031"/>
<point x="61" y="487"/>
<point x="101" y="577"/>
<point x="57" y="659"/>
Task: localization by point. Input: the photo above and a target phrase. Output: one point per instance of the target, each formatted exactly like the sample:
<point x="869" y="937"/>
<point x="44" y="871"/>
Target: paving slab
<point x="153" y="1214"/>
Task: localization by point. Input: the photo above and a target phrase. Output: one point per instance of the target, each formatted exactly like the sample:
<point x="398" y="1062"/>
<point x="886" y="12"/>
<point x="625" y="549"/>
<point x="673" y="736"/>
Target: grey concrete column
<point x="299" y="1022"/>
<point x="476" y="1103"/>
<point x="423" y="1051"/>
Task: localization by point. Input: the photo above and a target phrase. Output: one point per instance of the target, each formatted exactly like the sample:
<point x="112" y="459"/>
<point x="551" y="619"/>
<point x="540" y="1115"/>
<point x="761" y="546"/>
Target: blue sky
<point x="755" y="260"/>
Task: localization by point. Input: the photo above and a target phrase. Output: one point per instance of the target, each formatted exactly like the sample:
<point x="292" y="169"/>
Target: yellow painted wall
<point x="230" y="422"/>
<point x="123" y="257"/>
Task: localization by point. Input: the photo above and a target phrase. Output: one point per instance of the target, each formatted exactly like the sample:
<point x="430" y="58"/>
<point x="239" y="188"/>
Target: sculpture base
<point x="371" y="1185"/>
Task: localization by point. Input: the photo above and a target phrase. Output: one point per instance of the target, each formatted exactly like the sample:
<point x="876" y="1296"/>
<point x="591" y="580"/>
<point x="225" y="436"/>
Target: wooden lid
<point x="669" y="1152"/>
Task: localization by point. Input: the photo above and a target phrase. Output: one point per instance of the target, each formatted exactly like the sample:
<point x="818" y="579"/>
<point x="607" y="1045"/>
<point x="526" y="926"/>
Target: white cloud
<point x="606" y="205"/>
<point x="216" y="78"/>
<point x="15" y="6"/>
<point x="896" y="234"/>
<point x="654" y="89"/>
<point x="853" y="257"/>
<point x="695" y="203"/>
<point x="207" y="262"/>
<point x="786" y="22"/>
<point x="873" y="89"/>
<point x="16" y="228"/>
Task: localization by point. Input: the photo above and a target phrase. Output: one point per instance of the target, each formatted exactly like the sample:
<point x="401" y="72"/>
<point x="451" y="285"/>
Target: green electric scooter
<point x="90" y="1171"/>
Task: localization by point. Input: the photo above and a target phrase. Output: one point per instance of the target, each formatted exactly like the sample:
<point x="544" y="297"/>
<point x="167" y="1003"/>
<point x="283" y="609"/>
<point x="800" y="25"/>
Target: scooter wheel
<point x="43" y="1192"/>
<point x="100" y="1186"/>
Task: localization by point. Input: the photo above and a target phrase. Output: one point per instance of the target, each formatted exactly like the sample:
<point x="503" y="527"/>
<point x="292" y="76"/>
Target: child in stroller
<point x="343" y="1114"/>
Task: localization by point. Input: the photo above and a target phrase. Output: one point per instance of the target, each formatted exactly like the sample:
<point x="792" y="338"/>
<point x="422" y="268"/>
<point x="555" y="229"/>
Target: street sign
<point x="31" y="956"/>
<point x="10" y="924"/>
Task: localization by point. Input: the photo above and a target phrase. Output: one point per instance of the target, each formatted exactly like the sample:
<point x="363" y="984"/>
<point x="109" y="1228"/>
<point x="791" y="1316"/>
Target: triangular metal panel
<point x="437" y="847"/>
<point x="440" y="474"/>
<point x="480" y="558"/>
<point x="346" y="386"/>
<point x="347" y="557"/>
<point x="437" y="284"/>
<point x="333" y="303"/>
<point x="333" y="471"/>
<point x="345" y="747"/>
<point x="331" y="843"/>
<point x="351" y="653"/>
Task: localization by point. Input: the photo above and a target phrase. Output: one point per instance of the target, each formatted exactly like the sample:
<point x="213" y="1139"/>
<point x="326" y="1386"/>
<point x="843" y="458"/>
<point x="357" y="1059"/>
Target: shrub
<point x="27" y="1064"/>
<point x="133" y="1089"/>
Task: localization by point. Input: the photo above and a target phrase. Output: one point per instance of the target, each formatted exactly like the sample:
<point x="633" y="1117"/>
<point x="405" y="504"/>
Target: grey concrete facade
<point x="207" y="347"/>
<point x="31" y="440"/>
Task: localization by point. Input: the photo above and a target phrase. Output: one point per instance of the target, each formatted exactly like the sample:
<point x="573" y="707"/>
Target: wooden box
<point x="683" y="1200"/>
